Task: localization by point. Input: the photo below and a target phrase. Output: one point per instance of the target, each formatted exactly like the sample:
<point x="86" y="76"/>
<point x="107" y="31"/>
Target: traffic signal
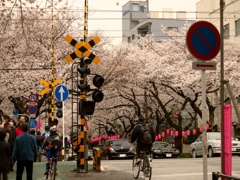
<point x="52" y="123"/>
<point x="59" y="106"/>
<point x="97" y="95"/>
<point x="86" y="107"/>
<point x="84" y="71"/>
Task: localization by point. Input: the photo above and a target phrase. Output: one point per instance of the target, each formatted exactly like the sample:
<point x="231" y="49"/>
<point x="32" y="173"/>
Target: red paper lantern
<point x="171" y="133"/>
<point x="163" y="134"/>
<point x="207" y="126"/>
<point x="188" y="132"/>
<point x="159" y="136"/>
<point x="156" y="138"/>
<point x="183" y="133"/>
<point x="194" y="131"/>
<point x="200" y="129"/>
<point x="167" y="131"/>
<point x="176" y="133"/>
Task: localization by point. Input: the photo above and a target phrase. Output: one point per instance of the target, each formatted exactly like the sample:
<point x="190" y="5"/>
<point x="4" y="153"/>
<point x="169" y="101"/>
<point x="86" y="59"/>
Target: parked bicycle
<point x="53" y="169"/>
<point x="145" y="165"/>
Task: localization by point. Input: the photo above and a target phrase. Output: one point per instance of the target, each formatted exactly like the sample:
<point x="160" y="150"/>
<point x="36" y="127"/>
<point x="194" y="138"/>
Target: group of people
<point x="21" y="145"/>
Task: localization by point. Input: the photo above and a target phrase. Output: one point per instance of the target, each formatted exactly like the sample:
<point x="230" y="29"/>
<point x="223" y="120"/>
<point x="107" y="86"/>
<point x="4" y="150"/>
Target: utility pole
<point x="222" y="87"/>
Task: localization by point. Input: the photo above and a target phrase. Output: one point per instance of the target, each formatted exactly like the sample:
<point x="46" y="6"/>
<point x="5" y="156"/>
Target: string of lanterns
<point x="161" y="135"/>
<point x="175" y="133"/>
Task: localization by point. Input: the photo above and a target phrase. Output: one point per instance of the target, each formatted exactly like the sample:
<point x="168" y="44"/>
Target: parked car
<point x="164" y="149"/>
<point x="213" y="145"/>
<point x="72" y="156"/>
<point x="117" y="148"/>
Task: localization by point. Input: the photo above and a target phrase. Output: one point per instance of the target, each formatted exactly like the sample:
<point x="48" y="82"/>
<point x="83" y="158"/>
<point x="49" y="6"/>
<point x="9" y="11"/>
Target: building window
<point x="133" y="36"/>
<point x="237" y="25"/>
<point x="174" y="29"/>
<point x="226" y="31"/>
<point x="129" y="39"/>
<point x="135" y="7"/>
<point x="142" y="8"/>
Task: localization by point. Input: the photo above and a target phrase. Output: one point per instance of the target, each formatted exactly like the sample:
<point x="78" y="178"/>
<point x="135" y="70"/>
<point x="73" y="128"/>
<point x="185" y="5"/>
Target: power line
<point x="24" y="69"/>
<point x="111" y="11"/>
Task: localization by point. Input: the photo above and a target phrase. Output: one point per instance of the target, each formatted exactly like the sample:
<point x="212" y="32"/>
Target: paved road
<point x="175" y="169"/>
<point x="163" y="169"/>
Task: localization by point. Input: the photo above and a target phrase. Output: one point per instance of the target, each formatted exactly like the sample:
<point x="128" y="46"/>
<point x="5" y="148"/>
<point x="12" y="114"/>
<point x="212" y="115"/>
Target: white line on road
<point x="235" y="173"/>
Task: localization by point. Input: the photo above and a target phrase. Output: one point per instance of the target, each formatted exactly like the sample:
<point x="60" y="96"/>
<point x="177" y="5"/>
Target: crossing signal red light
<point x="97" y="96"/>
<point x="98" y="81"/>
<point x="59" y="105"/>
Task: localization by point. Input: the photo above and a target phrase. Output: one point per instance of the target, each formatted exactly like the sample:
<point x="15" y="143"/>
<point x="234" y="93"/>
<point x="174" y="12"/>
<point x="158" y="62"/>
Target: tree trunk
<point x="178" y="142"/>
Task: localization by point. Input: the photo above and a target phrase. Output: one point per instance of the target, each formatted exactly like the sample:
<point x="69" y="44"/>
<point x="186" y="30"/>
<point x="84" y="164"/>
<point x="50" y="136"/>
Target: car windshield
<point x="162" y="145"/>
<point x="214" y="136"/>
<point x="217" y="136"/>
<point x="120" y="143"/>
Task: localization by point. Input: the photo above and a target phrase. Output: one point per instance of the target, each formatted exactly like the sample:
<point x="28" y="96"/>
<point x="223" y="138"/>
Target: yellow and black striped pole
<point x="85" y="31"/>
<point x="81" y="158"/>
<point x="53" y="68"/>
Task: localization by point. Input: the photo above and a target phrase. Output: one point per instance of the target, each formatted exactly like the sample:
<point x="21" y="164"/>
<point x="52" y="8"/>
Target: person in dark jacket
<point x="136" y="133"/>
<point x="25" y="152"/>
<point x="5" y="153"/>
<point x="52" y="146"/>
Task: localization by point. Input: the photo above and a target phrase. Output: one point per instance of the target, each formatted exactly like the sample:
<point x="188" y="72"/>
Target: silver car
<point x="213" y="145"/>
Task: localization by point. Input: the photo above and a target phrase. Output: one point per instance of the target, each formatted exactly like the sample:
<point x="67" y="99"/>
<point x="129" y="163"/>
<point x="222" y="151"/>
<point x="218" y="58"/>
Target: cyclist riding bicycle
<point x="52" y="146"/>
<point x="144" y="133"/>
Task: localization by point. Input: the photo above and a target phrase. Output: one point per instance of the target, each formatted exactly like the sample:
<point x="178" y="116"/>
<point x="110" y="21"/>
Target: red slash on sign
<point x="204" y="65"/>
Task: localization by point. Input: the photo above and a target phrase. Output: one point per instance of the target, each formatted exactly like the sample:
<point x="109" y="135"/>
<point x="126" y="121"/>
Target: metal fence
<point x="217" y="175"/>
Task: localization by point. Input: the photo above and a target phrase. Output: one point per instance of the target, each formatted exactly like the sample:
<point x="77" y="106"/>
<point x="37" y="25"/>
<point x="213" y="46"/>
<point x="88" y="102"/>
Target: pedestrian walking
<point x="5" y="153"/>
<point x="25" y="152"/>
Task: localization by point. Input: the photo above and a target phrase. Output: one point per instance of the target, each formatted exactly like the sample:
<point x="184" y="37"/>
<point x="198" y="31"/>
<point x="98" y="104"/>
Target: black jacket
<point x="5" y="153"/>
<point x="137" y="132"/>
<point x="51" y="138"/>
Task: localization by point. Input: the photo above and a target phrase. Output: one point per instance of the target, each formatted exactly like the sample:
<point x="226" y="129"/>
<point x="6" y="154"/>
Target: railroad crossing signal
<point x="82" y="49"/>
<point x="48" y="85"/>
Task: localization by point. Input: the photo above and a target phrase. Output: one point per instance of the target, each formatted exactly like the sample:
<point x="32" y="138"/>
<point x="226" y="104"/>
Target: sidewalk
<point x="66" y="172"/>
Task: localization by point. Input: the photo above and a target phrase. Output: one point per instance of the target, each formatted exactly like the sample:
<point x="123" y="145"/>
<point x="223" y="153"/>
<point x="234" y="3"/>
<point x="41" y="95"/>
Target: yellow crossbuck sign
<point x="49" y="85"/>
<point x="82" y="49"/>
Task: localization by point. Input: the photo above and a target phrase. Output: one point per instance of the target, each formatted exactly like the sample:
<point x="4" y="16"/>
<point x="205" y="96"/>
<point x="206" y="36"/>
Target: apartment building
<point x="137" y="21"/>
<point x="210" y="11"/>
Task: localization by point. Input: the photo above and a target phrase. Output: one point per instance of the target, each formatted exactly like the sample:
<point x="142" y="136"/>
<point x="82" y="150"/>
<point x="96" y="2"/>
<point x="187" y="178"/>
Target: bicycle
<point x="145" y="166"/>
<point x="53" y="168"/>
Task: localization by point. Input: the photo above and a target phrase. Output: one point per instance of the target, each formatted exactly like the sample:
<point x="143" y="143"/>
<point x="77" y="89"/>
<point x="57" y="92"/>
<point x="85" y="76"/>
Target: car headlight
<point x="216" y="144"/>
<point x="177" y="151"/>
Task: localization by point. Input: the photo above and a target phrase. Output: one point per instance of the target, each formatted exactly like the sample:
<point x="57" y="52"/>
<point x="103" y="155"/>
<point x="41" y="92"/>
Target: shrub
<point x="185" y="155"/>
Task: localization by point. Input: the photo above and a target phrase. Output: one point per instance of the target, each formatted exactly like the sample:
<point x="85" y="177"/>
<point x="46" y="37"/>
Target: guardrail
<point x="216" y="175"/>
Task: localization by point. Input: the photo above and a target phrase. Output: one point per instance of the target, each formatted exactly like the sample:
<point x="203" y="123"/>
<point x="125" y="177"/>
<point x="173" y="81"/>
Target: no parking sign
<point x="203" y="40"/>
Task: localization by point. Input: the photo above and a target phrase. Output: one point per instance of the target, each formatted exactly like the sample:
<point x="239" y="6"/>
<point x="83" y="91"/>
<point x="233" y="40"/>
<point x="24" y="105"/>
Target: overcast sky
<point x="111" y="22"/>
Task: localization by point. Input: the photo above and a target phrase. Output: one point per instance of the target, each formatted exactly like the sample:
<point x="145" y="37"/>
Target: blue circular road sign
<point x="32" y="109"/>
<point x="61" y="93"/>
<point x="15" y="112"/>
<point x="203" y="40"/>
<point x="32" y="123"/>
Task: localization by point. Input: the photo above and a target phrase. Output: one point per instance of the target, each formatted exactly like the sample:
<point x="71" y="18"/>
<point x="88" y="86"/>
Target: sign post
<point x="32" y="110"/>
<point x="61" y="94"/>
<point x="203" y="42"/>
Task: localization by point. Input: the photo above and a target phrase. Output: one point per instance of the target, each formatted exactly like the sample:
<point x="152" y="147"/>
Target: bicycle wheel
<point x="135" y="168"/>
<point x="147" y="169"/>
